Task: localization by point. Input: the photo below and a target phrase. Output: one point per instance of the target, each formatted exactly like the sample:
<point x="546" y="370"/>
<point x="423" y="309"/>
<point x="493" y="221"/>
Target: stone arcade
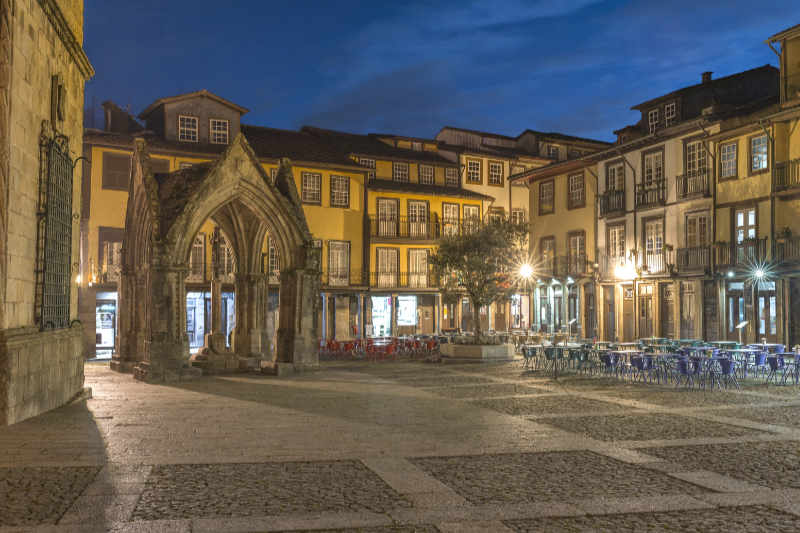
<point x="164" y="213"/>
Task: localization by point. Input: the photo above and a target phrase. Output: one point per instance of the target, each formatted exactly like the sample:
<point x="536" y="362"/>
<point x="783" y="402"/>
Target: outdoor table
<point x="742" y="355"/>
<point x="723" y="344"/>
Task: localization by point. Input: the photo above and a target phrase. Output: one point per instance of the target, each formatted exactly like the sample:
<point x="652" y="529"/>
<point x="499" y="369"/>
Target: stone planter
<point x="476" y="353"/>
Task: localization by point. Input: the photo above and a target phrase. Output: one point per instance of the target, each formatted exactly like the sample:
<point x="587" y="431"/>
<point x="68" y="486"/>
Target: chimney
<point x="706" y="77"/>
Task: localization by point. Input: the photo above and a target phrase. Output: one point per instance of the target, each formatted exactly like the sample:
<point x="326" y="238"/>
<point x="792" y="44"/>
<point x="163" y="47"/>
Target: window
<point x="340" y="191"/>
<point x="417" y="146"/>
<point x="400" y="172"/>
<point x="695" y="162"/>
<point x="274" y="263"/>
<point x="552" y="151"/>
<point x="368" y="163"/>
<point x="546" y="197"/>
<point x="418" y="219"/>
<point x="219" y="129"/>
<point x="576" y="197"/>
<point x="653" y="169"/>
<point x="615" y="177"/>
<point x="652" y="120"/>
<point x="518" y="216"/>
<point x="312" y="187"/>
<point x="450" y="219"/>
<point x="472" y="216"/>
<point x="669" y="114"/>
<point x="616" y="244"/>
<point x="758" y="153"/>
<point x="417" y="268"/>
<point x="387" y="259"/>
<point x="728" y="160"/>
<point x="576" y="254"/>
<point x="227" y="261"/>
<point x="495" y="173"/>
<point x="474" y="172"/>
<point x="273" y="173"/>
<point x="111" y="261"/>
<point x="451" y="177"/>
<point x="654" y="244"/>
<point x="746" y="230"/>
<point x="116" y="171"/>
<point x="698" y="230"/>
<point x="426" y="174"/>
<point x="547" y="252"/>
<point x="338" y="263"/>
<point x="496" y="214"/>
<point x="387" y="217"/>
<point x="187" y="128"/>
<point x="197" y="258"/>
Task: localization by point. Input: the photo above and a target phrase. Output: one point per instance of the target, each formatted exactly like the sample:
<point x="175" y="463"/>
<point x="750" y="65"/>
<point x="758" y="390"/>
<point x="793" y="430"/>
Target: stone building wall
<point x="41" y="38"/>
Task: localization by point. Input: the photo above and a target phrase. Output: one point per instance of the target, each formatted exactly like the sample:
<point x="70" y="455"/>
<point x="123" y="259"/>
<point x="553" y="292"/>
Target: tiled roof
<point x="202" y="92"/>
<point x="368" y="145"/>
<point x="478" y="132"/>
<point x="435" y="190"/>
<point x="266" y="143"/>
<point x="785" y="33"/>
<point x="563" y="137"/>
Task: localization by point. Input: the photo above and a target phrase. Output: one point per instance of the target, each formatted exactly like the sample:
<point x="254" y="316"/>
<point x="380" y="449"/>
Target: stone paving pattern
<point x="728" y="519"/>
<point x="770" y="464"/>
<point x="657" y="426"/>
<point x="401" y="447"/>
<point x="552" y="476"/>
<point x="40" y="495"/>
<point x="263" y="489"/>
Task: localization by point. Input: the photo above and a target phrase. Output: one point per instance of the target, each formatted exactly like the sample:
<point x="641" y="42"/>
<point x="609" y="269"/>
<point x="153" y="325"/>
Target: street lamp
<point x="526" y="271"/>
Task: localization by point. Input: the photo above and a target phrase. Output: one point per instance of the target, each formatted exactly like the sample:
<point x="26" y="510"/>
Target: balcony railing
<point x="612" y="202"/>
<point x="745" y="253"/>
<point x="559" y="267"/>
<point x="694" y="183"/>
<point x="654" y="263"/>
<point x="651" y="194"/>
<point x="786" y="249"/>
<point x="608" y="264"/>
<point x="403" y="280"/>
<point x="694" y="259"/>
<point x="786" y="175"/>
<point x="342" y="278"/>
<point x="397" y="227"/>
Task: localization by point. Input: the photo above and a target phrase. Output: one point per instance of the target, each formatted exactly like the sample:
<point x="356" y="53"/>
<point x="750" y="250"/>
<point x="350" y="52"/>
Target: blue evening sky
<point x="411" y="67"/>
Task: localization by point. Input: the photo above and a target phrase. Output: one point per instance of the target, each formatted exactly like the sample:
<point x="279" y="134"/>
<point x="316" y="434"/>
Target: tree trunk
<point x="476" y="318"/>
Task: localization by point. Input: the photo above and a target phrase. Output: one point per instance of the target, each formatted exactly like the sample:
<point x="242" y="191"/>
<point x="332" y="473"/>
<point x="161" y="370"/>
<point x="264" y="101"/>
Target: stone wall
<point x="40" y="39"/>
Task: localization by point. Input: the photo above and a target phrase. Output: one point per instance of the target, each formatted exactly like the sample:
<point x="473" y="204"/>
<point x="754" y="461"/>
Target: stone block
<point x="477" y="353"/>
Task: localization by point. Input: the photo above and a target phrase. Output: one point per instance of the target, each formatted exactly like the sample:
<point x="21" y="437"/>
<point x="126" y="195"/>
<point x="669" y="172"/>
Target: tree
<point x="482" y="263"/>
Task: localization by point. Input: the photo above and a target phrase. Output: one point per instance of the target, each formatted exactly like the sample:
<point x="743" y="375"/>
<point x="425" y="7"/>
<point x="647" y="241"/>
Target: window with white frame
<point x="426" y="174"/>
<point x="670" y="114"/>
<point x="273" y="173"/>
<point x="340" y="191"/>
<point x="698" y="230"/>
<point x="577" y="196"/>
<point x="187" y="128"/>
<point x="338" y="263"/>
<point x="400" y="172"/>
<point x="495" y="173"/>
<point x="518" y="215"/>
<point x="312" y="187"/>
<point x="653" y="169"/>
<point x="546" y="197"/>
<point x="273" y="259"/>
<point x="474" y="171"/>
<point x="417" y="146"/>
<point x="696" y="161"/>
<point x="368" y="163"/>
<point x="728" y="160"/>
<point x="219" y="131"/>
<point x="758" y="153"/>
<point x="451" y="177"/>
<point x="615" y="177"/>
<point x="552" y="151"/>
<point x="652" y="120"/>
<point x="616" y="244"/>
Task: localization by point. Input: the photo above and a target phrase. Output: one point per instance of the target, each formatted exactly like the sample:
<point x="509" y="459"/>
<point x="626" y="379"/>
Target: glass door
<point x="417" y="219"/>
<point x="387" y="217"/>
<point x="418" y="268"/>
<point x="450" y="219"/>
<point x="387" y="267"/>
<point x="654" y="245"/>
<point x="746" y="231"/>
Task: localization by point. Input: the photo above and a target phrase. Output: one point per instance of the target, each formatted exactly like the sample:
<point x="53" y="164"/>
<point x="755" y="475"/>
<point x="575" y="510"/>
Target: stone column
<point x="361" y="316"/>
<point x="298" y="334"/>
<point x="123" y="357"/>
<point x="215" y="339"/>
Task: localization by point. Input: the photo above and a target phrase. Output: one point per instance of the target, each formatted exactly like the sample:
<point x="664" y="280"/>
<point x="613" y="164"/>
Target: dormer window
<point x="218" y="129"/>
<point x="416" y="146"/>
<point x="552" y="151"/>
<point x="652" y="120"/>
<point x="670" y="114"/>
<point x="187" y="128"/>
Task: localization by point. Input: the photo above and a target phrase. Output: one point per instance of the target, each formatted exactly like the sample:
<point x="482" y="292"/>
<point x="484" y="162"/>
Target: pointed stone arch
<point x="165" y="212"/>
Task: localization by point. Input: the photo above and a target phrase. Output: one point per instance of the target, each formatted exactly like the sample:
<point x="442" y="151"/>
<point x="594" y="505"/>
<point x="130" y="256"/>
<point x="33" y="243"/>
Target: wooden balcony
<point x="696" y="259"/>
<point x="693" y="184"/>
<point x="786" y="175"/>
<point x="651" y="194"/>
<point x="743" y="254"/>
<point x="786" y="249"/>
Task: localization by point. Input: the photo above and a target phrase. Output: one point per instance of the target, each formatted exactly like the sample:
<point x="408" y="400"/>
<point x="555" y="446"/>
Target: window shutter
<point x="116" y="171"/>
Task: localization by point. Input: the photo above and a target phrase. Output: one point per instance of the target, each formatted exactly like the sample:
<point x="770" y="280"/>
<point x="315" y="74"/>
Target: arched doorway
<point x="165" y="213"/>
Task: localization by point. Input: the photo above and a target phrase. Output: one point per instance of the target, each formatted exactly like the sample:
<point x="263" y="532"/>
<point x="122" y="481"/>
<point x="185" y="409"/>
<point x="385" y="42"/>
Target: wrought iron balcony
<point x="563" y="266"/>
<point x="397" y="227"/>
<point x="692" y="184"/>
<point x="786" y="249"/>
<point x="342" y="278"/>
<point x="697" y="258"/>
<point x="786" y="175"/>
<point x="403" y="280"/>
<point x="654" y="263"/>
<point x="612" y="202"/>
<point x="651" y="194"/>
<point x="742" y="254"/>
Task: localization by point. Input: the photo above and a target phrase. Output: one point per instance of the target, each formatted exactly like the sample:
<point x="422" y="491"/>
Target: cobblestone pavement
<point x="770" y="464"/>
<point x="728" y="519"/>
<point x="40" y="495"/>
<point x="656" y="426"/>
<point x="549" y="405"/>
<point x="402" y="447"/>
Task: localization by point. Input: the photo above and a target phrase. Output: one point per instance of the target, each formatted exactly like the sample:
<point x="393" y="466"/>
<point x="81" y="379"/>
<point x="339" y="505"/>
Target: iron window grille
<point x="54" y="234"/>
